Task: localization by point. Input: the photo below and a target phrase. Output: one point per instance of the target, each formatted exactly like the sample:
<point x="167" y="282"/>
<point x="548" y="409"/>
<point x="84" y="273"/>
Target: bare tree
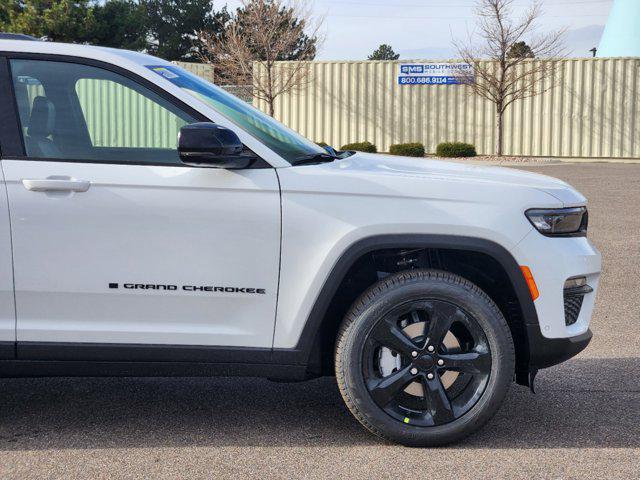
<point x="265" y="49"/>
<point x="504" y="78"/>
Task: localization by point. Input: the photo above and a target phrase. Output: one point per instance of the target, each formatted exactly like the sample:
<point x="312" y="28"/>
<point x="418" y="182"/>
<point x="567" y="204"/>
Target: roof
<point x="109" y="55"/>
<point x="16" y="36"/>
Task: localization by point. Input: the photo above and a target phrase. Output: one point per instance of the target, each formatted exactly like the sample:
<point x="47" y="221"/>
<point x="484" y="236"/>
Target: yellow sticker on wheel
<point x="406" y="419"/>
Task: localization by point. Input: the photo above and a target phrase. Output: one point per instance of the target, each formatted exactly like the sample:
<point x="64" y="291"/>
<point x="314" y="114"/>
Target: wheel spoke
<point x="472" y="362"/>
<point x="384" y="390"/>
<point x="389" y="335"/>
<point x="442" y="315"/>
<point x="439" y="404"/>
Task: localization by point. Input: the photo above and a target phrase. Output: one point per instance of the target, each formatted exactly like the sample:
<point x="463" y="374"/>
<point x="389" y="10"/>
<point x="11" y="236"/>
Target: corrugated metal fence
<point x="118" y="116"/>
<point x="201" y="69"/>
<point x="207" y="72"/>
<point x="594" y="111"/>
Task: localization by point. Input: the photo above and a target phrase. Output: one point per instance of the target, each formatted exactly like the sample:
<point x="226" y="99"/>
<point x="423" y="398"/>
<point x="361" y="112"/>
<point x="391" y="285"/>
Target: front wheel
<point x="424" y="358"/>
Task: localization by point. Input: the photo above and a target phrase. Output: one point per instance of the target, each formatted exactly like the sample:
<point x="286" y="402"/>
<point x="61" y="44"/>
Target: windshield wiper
<point x="315" y="158"/>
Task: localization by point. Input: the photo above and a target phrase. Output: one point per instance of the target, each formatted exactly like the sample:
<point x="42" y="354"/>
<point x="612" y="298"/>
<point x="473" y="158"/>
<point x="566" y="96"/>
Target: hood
<point x="390" y="165"/>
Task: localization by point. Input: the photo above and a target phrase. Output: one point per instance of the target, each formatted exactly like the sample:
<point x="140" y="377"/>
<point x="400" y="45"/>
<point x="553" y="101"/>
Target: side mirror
<point x="208" y="144"/>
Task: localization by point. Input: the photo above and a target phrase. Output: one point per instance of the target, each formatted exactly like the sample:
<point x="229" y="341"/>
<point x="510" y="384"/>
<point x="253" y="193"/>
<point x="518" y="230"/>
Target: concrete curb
<point x="541" y="162"/>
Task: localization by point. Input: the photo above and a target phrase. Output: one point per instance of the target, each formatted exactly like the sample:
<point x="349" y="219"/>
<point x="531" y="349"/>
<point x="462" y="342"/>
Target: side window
<point x="79" y="112"/>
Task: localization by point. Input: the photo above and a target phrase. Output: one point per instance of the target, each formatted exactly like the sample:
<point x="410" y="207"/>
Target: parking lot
<point x="584" y="420"/>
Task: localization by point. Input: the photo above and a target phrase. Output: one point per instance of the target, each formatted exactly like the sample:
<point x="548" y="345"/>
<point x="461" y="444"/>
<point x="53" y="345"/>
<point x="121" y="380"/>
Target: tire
<point x="373" y="360"/>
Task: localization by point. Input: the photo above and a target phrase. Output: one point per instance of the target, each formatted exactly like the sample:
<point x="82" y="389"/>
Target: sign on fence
<point x="432" y="73"/>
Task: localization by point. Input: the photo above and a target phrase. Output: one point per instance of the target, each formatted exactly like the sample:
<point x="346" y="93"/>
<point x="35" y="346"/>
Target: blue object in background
<point x="621" y="37"/>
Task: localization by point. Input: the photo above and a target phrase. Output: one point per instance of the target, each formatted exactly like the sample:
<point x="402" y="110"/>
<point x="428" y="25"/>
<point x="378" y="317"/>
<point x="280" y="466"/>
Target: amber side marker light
<point x="531" y="283"/>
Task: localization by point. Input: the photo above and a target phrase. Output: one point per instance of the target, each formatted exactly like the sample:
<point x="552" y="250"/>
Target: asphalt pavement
<point x="584" y="421"/>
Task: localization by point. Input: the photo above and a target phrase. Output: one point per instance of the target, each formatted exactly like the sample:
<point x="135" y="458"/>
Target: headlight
<point x="559" y="222"/>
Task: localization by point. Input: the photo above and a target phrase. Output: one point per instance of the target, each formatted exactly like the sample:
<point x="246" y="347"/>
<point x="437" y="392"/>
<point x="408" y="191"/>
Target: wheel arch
<point x="320" y="326"/>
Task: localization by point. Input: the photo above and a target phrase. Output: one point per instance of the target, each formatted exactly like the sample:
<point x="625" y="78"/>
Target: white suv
<point x="153" y="224"/>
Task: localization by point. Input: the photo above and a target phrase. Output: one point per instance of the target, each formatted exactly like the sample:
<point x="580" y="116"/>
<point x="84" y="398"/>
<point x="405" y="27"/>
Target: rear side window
<point x="80" y="112"/>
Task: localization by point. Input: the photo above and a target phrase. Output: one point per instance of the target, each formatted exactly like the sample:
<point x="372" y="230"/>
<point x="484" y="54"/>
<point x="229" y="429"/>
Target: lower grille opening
<point x="574" y="291"/>
<point x="572" y="306"/>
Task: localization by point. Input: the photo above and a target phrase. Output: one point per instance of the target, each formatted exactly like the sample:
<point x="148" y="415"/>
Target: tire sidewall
<point x="474" y="302"/>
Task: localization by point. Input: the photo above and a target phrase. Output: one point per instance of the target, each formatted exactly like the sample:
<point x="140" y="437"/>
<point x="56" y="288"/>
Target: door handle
<point x="56" y="185"/>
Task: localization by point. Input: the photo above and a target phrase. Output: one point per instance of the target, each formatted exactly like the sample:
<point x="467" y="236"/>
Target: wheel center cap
<point x="424" y="362"/>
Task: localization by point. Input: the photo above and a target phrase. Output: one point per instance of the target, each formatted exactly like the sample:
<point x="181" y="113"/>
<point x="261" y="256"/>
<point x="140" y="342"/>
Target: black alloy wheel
<point x="424" y="358"/>
<point x="419" y="389"/>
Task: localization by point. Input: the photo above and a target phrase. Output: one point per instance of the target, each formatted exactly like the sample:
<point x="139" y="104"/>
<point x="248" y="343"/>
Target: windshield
<point x="285" y="142"/>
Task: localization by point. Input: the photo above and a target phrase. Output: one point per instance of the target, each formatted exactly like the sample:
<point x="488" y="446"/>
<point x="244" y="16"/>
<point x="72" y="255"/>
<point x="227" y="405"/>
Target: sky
<point x="425" y="29"/>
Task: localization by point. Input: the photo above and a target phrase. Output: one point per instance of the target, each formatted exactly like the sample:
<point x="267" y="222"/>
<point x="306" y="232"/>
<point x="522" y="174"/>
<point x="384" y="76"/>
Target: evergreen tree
<point x="8" y="9"/>
<point x="520" y="50"/>
<point x="173" y="26"/>
<point x="119" y="24"/>
<point x="384" y="52"/>
<point x="57" y="20"/>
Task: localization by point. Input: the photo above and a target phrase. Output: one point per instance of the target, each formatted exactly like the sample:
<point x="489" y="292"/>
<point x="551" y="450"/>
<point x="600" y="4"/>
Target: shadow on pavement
<point x="583" y="403"/>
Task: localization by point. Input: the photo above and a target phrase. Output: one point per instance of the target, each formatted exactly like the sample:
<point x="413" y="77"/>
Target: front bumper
<point x="552" y="261"/>
<point x="554" y="337"/>
<point x="546" y="352"/>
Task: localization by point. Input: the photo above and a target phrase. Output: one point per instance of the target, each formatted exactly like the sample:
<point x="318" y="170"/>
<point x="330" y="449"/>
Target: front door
<point x="115" y="242"/>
